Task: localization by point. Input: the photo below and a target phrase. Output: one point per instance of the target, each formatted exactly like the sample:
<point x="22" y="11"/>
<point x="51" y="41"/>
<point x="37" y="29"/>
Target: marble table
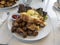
<point x="52" y="39"/>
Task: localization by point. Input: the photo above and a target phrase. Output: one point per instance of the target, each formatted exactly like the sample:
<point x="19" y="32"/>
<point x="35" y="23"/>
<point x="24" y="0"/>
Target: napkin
<point x="3" y="17"/>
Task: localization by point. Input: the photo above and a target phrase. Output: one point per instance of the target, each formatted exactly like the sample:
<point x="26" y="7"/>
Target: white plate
<point x="17" y="3"/>
<point x="42" y="33"/>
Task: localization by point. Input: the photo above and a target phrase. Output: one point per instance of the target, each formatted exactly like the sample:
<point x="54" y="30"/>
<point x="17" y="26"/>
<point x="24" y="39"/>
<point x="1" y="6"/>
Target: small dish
<point x="56" y="6"/>
<point x="15" y="16"/>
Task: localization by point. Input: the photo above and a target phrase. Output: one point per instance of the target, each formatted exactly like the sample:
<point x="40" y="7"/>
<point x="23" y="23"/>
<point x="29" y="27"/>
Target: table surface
<point x="52" y="39"/>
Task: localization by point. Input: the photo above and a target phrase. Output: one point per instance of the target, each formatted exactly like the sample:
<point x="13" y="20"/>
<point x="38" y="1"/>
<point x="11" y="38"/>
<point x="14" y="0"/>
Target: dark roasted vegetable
<point x="23" y="8"/>
<point x="40" y="11"/>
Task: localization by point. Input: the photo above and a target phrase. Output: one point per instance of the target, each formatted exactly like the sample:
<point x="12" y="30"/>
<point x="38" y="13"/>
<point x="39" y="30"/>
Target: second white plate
<point x="17" y="3"/>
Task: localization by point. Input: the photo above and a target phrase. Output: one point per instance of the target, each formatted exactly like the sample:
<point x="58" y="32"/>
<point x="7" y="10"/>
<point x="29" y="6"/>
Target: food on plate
<point x="23" y="8"/>
<point x="7" y="3"/>
<point x="29" y="23"/>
